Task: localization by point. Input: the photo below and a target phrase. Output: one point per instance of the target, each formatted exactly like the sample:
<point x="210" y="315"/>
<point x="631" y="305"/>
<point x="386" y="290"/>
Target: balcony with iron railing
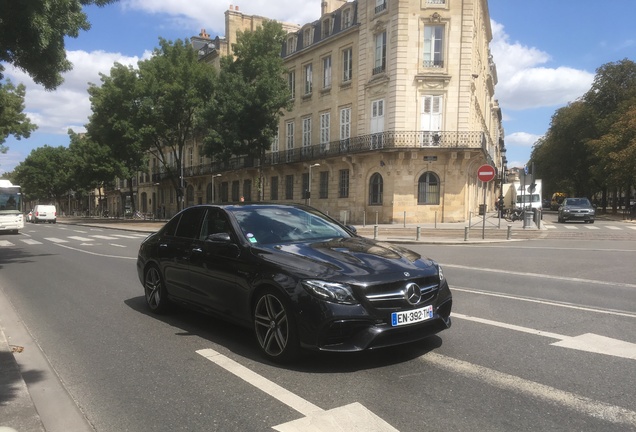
<point x="383" y="141"/>
<point x="381" y="7"/>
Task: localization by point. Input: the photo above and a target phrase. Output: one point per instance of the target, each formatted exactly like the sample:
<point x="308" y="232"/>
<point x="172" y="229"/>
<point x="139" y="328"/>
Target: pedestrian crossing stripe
<point x="5" y="243"/>
<point x="31" y="241"/>
<point x="55" y="240"/>
<point x="612" y="227"/>
<point x="80" y="238"/>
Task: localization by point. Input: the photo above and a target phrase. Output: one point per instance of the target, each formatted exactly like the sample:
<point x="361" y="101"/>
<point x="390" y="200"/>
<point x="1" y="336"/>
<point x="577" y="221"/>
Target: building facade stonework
<point x="393" y="114"/>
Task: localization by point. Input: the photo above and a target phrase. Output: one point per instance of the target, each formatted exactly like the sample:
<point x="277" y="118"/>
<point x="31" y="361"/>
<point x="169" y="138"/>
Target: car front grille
<point x="393" y="295"/>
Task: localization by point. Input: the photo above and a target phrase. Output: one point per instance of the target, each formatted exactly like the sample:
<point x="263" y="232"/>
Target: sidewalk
<point x="495" y="230"/>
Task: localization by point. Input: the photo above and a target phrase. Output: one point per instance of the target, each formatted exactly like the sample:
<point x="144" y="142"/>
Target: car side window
<point x="170" y="228"/>
<point x="190" y="223"/>
<point x="215" y="222"/>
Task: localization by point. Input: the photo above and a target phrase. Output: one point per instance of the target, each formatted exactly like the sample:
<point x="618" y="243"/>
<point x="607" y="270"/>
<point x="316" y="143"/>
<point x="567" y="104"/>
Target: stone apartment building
<point x="393" y="114"/>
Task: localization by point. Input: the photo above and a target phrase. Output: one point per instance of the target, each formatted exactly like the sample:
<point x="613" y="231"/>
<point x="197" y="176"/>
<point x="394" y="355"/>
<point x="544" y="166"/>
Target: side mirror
<point x="219" y="238"/>
<point x="221" y="244"/>
<point x="352" y="229"/>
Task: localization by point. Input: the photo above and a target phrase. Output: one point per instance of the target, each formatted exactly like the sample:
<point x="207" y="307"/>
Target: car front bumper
<point x="348" y="328"/>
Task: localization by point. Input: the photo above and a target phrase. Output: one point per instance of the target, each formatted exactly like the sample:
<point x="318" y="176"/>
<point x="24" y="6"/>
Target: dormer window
<point x="291" y="44"/>
<point x="326" y="27"/>
<point x="346" y="18"/>
<point x="308" y="36"/>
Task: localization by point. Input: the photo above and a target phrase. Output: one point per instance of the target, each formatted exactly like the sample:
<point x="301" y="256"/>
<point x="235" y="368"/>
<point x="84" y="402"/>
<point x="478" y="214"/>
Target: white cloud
<point x="524" y="83"/>
<point x="68" y="106"/>
<point x="211" y="14"/>
<point x="522" y="139"/>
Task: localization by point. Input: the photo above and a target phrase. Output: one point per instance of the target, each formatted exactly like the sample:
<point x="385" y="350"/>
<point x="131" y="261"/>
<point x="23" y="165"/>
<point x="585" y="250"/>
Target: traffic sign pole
<point x="485" y="173"/>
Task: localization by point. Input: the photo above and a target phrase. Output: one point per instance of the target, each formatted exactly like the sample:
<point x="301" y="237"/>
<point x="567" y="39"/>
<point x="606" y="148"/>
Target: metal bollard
<point x="375" y="232"/>
<point x="417" y="234"/>
<point x="466" y="231"/>
<point x="509" y="232"/>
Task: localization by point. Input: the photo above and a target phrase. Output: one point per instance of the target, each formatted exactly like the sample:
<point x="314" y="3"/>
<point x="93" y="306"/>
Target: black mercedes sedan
<point x="297" y="277"/>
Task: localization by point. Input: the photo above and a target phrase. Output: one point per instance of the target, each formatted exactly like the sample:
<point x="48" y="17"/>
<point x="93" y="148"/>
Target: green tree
<point x="612" y="98"/>
<point x="251" y="95"/>
<point x="93" y="164"/>
<point x="45" y="174"/>
<point x="32" y="36"/>
<point x="115" y="123"/>
<point x="561" y="157"/>
<point x="173" y="89"/>
<point x="13" y="121"/>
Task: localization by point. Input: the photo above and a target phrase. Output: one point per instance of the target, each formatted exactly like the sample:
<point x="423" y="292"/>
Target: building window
<point x="275" y="146"/>
<point x="224" y="192"/>
<point x="325" y="124"/>
<point x="380" y="53"/>
<point x="291" y="82"/>
<point x="346" y="18"/>
<point x="343" y="184"/>
<point x="380" y="6"/>
<point x="375" y="189"/>
<point x="247" y="190"/>
<point x="428" y="189"/>
<point x="306" y="135"/>
<point x="433" y="55"/>
<point x="201" y="157"/>
<point x="324" y="185"/>
<point x="291" y="44"/>
<point x="377" y="124"/>
<point x="273" y="188"/>
<point x="345" y="129"/>
<point x="326" y="72"/>
<point x="289" y="141"/>
<point x="308" y="36"/>
<point x="208" y="193"/>
<point x="431" y="119"/>
<point x="235" y="190"/>
<point x="326" y="28"/>
<point x="308" y="79"/>
<point x="289" y="187"/>
<point x="305" y="185"/>
<point x="347" y="65"/>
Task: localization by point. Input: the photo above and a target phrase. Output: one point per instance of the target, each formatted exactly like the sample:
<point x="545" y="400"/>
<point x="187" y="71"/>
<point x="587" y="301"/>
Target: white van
<point x="44" y="213"/>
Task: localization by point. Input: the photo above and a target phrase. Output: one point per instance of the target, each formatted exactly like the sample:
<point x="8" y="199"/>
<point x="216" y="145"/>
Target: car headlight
<point x="330" y="291"/>
<point x="440" y="272"/>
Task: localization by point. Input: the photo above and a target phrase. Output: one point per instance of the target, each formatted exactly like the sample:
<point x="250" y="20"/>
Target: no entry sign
<point x="486" y="173"/>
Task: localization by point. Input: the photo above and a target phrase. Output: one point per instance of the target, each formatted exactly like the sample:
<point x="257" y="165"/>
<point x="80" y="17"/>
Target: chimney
<point x="231" y="7"/>
<point x="203" y="34"/>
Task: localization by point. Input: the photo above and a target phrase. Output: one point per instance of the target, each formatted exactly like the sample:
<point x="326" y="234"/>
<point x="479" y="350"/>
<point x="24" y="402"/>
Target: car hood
<point x="356" y="257"/>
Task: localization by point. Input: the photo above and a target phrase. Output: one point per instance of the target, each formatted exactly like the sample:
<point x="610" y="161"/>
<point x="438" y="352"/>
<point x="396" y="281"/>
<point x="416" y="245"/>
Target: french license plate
<point x="412" y="316"/>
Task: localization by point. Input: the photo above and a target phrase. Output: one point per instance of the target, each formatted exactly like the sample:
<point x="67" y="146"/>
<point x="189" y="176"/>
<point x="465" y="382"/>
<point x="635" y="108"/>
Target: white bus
<point x="11" y="217"/>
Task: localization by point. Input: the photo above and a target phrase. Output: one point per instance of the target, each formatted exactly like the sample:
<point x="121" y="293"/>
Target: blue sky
<point x="546" y="52"/>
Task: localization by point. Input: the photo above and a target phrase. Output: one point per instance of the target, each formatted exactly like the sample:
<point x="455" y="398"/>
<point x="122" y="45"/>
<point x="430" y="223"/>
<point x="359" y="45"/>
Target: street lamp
<point x="215" y="175"/>
<point x="309" y="185"/>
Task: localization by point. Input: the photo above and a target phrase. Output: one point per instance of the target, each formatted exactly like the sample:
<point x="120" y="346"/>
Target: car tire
<point x="155" y="291"/>
<point x="275" y="327"/>
<point x="592" y="221"/>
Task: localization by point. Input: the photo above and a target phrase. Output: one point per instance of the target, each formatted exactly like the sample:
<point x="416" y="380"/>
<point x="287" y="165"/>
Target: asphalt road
<point x="543" y="338"/>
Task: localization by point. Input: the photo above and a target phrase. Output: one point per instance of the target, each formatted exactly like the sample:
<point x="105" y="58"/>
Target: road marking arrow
<point x="588" y="342"/>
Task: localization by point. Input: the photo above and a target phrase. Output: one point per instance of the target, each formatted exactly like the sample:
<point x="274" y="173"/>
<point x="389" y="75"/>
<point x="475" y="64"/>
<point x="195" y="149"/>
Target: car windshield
<point x="273" y="224"/>
<point x="578" y="202"/>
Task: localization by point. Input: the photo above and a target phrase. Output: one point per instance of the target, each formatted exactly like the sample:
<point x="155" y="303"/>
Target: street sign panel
<point x="486" y="173"/>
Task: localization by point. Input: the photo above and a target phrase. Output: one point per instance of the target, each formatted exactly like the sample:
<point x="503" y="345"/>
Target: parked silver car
<point x="576" y="209"/>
